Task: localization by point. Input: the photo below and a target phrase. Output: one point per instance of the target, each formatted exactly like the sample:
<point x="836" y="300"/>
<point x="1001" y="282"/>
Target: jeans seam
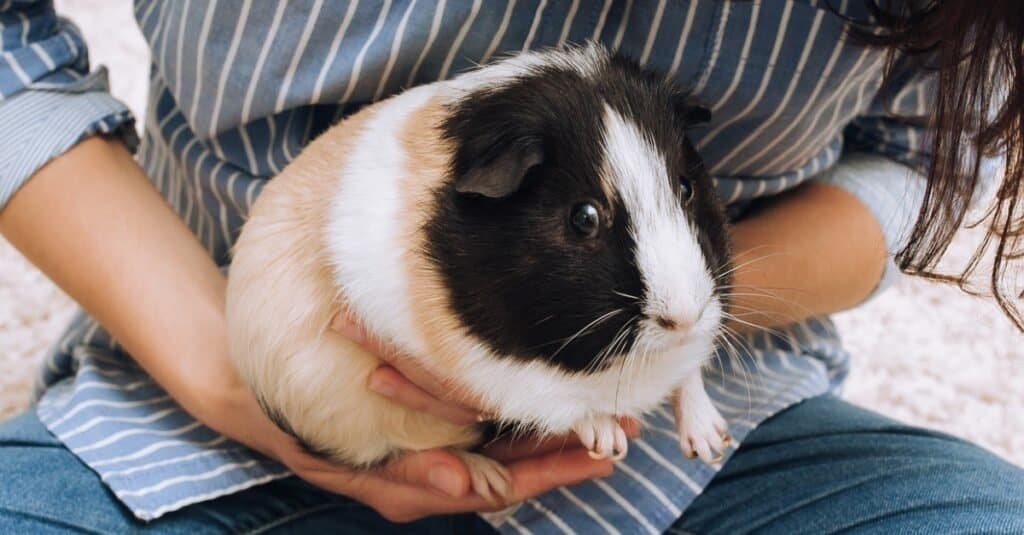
<point x="293" y="516"/>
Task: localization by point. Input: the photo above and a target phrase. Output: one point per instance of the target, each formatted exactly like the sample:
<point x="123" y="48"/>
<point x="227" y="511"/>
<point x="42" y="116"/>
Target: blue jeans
<point x="822" y="466"/>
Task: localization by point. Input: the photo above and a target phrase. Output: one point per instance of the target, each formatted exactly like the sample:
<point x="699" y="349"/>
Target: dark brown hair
<point x="976" y="48"/>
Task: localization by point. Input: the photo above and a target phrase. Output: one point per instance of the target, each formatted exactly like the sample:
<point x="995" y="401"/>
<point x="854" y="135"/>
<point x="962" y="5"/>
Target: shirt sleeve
<point x="49" y="101"/>
<point x="886" y="155"/>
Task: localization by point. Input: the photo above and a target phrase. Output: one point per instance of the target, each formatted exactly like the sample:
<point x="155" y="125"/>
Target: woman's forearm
<point x="813" y="251"/>
<point x="96" y="226"/>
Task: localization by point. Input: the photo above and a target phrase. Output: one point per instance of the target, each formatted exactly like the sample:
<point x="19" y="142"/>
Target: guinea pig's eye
<point x="686" y="187"/>
<point x="585" y="219"/>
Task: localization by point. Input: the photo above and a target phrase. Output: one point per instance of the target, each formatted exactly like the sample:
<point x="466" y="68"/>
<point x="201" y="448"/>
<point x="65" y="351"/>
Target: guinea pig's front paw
<point x="489" y="478"/>
<point x="603" y="437"/>
<point x="702" y="430"/>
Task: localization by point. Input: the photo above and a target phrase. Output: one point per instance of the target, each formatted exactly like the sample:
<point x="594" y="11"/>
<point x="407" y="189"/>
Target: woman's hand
<point x="531" y="460"/>
<point x="415" y="485"/>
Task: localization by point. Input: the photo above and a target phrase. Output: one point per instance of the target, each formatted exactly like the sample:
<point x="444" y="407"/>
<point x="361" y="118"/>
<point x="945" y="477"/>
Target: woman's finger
<point x="535" y="476"/>
<point x="410" y="368"/>
<point x="343" y="324"/>
<point x="439" y="470"/>
<point x="435" y="471"/>
<point x="530" y="477"/>
<point x="390" y="383"/>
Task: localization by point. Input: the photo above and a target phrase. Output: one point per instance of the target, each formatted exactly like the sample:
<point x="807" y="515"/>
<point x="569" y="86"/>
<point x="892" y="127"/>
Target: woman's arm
<point x="96" y="226"/>
<point x="829" y="244"/>
<point x="92" y="222"/>
<point x="813" y="251"/>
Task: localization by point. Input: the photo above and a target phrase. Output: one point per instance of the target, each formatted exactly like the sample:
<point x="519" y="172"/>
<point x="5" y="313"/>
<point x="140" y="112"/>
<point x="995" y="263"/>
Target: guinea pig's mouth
<point x="651" y="337"/>
<point x="661" y="332"/>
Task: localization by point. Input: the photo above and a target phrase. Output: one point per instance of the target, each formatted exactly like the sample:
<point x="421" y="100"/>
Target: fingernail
<point x="444" y="480"/>
<point x="382" y="386"/>
<point x="349" y="330"/>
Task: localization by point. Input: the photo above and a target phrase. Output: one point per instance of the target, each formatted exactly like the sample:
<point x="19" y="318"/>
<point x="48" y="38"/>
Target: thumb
<point x="436" y="469"/>
<point x="345" y="325"/>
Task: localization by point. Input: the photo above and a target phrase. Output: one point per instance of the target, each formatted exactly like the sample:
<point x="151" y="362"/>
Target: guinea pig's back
<point x="288" y="279"/>
<point x="280" y="283"/>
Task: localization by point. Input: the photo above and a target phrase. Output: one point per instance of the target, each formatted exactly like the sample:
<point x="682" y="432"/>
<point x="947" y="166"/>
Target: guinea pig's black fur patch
<point x="521" y="279"/>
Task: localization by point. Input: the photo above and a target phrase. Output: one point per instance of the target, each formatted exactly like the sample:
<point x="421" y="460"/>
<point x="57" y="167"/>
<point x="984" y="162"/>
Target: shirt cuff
<point x="37" y="125"/>
<point x="892" y="192"/>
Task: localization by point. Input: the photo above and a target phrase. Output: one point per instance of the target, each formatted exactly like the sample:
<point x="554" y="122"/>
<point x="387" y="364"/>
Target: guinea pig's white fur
<point x="342" y="226"/>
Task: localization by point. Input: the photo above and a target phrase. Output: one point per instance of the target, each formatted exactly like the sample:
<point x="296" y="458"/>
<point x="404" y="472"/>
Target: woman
<point x="823" y="166"/>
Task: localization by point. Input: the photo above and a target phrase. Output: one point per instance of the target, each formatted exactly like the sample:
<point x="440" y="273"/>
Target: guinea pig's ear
<point x="691" y="114"/>
<point x="500" y="176"/>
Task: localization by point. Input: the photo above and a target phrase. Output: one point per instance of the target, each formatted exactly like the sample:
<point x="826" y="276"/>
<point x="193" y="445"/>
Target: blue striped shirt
<point x="237" y="89"/>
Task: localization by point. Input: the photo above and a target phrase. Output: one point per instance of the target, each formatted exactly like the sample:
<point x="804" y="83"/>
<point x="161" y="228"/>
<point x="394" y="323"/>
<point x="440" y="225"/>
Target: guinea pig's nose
<point x="670" y="323"/>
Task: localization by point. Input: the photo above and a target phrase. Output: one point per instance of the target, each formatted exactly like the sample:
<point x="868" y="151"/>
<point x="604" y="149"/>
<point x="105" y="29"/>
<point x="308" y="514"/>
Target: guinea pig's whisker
<point x="765" y="294"/>
<point x="618" y="384"/>
<point x="754" y="326"/>
<point x="615" y="346"/>
<point x="641" y="360"/>
<point x="628" y="362"/>
<point x="750" y="311"/>
<point x="604" y="317"/>
<point x="747" y="351"/>
<point x="765" y="289"/>
<point x="729" y="337"/>
<point x="718" y="349"/>
<point x="735" y="267"/>
<point x="609" y="349"/>
<point x="626" y="295"/>
<point x="564" y="340"/>
<point x="749" y="252"/>
<point x="549" y="317"/>
<point x="732" y="339"/>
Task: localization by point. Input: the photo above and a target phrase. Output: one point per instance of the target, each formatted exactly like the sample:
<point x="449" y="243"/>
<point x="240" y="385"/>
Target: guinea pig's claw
<point x="703" y="433"/>
<point x="603" y="437"/>
<point x="489" y="478"/>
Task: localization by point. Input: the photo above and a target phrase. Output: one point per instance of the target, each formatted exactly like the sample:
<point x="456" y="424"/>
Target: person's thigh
<point x="46" y="489"/>
<point x="826" y="466"/>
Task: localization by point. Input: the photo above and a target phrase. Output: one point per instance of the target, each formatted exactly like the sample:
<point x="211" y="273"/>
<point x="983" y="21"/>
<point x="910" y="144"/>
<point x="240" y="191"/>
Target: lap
<point x="826" y="466"/>
<point x="822" y="466"/>
<point x="47" y="489"/>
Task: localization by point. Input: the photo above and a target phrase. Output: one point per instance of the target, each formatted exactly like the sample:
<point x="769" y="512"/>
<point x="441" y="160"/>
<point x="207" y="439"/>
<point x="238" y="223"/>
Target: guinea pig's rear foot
<point x="489" y="478"/>
<point x="603" y="437"/>
<point x="702" y="431"/>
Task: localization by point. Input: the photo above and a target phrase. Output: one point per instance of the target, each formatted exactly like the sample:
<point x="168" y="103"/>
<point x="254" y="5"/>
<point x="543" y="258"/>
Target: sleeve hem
<point x="892" y="192"/>
<point x="41" y="125"/>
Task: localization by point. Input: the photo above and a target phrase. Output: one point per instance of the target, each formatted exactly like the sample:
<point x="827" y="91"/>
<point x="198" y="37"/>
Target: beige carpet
<point x="923" y="353"/>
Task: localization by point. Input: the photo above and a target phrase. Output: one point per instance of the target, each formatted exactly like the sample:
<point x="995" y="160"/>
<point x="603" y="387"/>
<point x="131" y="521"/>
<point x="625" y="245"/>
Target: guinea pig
<point x="538" y="232"/>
